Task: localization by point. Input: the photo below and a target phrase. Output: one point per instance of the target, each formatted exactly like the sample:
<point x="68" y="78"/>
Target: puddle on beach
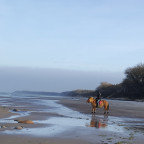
<point x="11" y="118"/>
<point x="57" y="125"/>
<point x="68" y="120"/>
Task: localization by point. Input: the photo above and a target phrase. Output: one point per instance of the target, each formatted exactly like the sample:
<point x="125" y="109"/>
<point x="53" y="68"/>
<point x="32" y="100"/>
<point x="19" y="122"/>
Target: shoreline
<point x="122" y="114"/>
<point x="119" y="108"/>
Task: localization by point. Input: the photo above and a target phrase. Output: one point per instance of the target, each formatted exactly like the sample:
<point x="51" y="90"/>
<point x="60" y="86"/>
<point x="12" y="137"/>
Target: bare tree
<point x="134" y="82"/>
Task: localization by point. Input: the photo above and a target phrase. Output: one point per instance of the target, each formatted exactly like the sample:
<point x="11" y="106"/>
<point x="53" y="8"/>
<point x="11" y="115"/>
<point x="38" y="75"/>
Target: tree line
<point x="132" y="87"/>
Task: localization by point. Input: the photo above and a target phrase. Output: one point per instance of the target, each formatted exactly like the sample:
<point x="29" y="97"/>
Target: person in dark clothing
<point x="98" y="98"/>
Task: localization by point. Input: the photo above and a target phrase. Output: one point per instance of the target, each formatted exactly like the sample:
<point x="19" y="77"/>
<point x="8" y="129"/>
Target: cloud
<point x="57" y="80"/>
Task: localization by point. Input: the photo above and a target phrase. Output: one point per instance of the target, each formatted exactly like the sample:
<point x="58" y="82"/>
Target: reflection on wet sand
<point x="98" y="122"/>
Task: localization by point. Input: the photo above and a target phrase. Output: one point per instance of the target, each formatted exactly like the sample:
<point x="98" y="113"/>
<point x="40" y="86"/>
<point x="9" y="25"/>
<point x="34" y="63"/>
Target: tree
<point x="136" y="75"/>
<point x="134" y="82"/>
<point x="109" y="90"/>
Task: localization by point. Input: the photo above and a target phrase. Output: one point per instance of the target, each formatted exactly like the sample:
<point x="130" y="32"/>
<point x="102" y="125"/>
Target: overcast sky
<point x="58" y="45"/>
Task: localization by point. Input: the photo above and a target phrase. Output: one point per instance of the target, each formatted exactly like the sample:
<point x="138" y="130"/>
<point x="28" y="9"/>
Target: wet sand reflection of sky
<point x="68" y="119"/>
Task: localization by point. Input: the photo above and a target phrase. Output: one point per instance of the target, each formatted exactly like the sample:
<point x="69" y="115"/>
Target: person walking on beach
<point x="98" y="98"/>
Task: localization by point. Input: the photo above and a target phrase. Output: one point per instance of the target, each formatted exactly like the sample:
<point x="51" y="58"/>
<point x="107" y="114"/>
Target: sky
<point x="60" y="45"/>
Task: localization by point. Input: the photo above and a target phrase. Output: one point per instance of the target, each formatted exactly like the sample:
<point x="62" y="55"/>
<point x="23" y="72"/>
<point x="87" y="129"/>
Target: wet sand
<point x="131" y="109"/>
<point x="62" y="120"/>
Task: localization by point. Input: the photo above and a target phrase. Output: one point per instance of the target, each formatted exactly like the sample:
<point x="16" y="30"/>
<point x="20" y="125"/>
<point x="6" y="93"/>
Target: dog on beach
<point x="102" y="103"/>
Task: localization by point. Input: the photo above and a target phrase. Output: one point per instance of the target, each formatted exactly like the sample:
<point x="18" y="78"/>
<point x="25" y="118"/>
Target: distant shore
<point x="74" y="93"/>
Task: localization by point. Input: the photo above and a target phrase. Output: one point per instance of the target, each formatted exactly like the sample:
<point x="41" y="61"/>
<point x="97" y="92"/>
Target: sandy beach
<point x="62" y="120"/>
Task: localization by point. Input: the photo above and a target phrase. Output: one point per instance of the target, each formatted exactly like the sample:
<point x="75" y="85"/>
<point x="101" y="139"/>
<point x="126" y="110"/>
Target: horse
<point x="102" y="103"/>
